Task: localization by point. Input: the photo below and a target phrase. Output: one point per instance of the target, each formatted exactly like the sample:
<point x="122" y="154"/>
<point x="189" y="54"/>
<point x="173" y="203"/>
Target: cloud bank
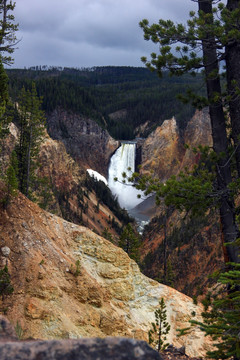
<point x="86" y="33"/>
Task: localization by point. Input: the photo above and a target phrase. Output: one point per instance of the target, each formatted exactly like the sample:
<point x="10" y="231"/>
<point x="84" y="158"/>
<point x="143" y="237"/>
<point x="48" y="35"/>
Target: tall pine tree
<point x="32" y="123"/>
<point x="129" y="242"/>
<point x="11" y="183"/>
<point x="3" y="101"/>
<point x="8" y="29"/>
<point x="204" y="30"/>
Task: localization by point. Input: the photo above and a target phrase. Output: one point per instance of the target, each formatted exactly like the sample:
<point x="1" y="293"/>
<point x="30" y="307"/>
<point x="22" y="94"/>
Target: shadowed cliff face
<point x="89" y="144"/>
<point x="69" y="282"/>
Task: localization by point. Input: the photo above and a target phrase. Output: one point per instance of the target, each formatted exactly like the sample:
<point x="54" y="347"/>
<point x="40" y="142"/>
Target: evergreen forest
<point x="119" y="99"/>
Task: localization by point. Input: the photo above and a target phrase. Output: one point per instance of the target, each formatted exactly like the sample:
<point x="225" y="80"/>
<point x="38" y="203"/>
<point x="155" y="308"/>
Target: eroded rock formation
<point x="65" y="193"/>
<point x="197" y="252"/>
<point x="69" y="282"/>
<point x="89" y="144"/>
<point x="163" y="152"/>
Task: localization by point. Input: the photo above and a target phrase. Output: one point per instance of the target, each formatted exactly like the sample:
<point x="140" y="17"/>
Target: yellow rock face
<point x="163" y="152"/>
<point x="71" y="283"/>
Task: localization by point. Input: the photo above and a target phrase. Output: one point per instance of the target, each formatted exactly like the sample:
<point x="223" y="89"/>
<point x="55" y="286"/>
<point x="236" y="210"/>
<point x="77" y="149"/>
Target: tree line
<point x="105" y="90"/>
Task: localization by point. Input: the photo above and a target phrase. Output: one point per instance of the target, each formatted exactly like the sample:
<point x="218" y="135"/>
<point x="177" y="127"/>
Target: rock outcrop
<point x="7" y="146"/>
<point x="194" y="252"/>
<point x="163" y="152"/>
<point x="64" y="193"/>
<point x="197" y="252"/>
<point x="198" y="132"/>
<point x="81" y="349"/>
<point x="69" y="283"/>
<point x="89" y="144"/>
<point x="71" y="199"/>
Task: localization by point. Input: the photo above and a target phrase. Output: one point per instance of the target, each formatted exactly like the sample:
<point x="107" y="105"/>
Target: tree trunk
<point x="21" y="160"/>
<point x="220" y="142"/>
<point x="4" y="19"/>
<point x="233" y="74"/>
<point x="165" y="249"/>
<point x="28" y="162"/>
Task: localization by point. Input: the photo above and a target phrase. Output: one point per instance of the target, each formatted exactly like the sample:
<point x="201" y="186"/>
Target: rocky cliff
<point x="89" y="144"/>
<point x="164" y="153"/>
<point x="71" y="199"/>
<point x="194" y="248"/>
<point x="63" y="190"/>
<point x="69" y="282"/>
<point x="194" y="251"/>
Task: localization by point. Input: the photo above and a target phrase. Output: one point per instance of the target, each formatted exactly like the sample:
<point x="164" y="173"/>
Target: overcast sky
<point x="86" y="33"/>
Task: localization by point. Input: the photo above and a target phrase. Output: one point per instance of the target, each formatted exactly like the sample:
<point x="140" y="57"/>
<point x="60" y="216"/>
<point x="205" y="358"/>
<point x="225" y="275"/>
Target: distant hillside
<point x="120" y="99"/>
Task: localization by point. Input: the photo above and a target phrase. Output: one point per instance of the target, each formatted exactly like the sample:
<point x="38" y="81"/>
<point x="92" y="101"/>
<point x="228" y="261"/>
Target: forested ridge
<point x="101" y="91"/>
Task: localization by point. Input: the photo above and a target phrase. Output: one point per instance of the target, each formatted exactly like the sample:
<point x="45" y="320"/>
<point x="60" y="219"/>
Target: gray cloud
<point x="89" y="32"/>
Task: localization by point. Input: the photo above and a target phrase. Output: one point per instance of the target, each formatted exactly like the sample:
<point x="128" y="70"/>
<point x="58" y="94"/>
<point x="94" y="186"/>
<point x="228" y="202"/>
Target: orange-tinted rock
<point x="193" y="260"/>
<point x="53" y="300"/>
<point x="163" y="152"/>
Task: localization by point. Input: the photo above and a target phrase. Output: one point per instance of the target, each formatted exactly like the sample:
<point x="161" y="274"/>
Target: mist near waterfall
<point x="122" y="161"/>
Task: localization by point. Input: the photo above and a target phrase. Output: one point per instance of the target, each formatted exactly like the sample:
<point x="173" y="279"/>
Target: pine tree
<point x="8" y="29"/>
<point x="45" y="193"/>
<point x="3" y="101"/>
<point x="222" y="316"/>
<point x="157" y="334"/>
<point x="218" y="36"/>
<point x="11" y="183"/>
<point x="205" y="31"/>
<point x="129" y="242"/>
<point x="6" y="287"/>
<point x="107" y="235"/>
<point x="31" y="132"/>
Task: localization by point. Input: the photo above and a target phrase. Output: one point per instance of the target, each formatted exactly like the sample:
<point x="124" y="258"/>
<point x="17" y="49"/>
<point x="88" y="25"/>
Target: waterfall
<point x="122" y="161"/>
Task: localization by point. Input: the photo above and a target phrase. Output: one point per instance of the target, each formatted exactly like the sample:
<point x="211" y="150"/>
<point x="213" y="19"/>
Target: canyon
<point x="69" y="282"/>
<point x="162" y="154"/>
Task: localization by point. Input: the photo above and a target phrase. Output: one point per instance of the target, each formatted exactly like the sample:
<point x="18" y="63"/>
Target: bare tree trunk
<point x="220" y="142"/>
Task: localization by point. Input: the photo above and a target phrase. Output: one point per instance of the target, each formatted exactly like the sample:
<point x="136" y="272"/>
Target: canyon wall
<point x="89" y="144"/>
<point x="194" y="246"/>
<point x="60" y="186"/>
<point x="164" y="153"/>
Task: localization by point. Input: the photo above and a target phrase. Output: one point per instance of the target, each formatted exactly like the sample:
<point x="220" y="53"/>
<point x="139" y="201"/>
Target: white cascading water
<point x="122" y="161"/>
